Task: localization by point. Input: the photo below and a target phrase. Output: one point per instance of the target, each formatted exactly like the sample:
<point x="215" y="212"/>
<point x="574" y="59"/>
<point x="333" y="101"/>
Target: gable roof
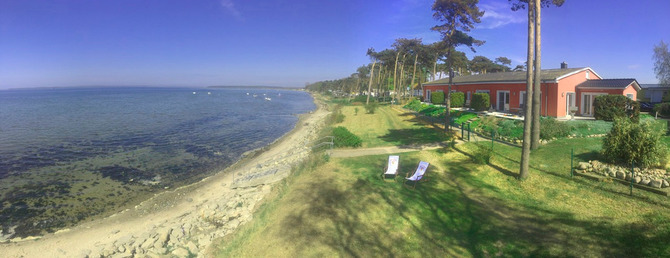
<point x="547" y="75"/>
<point x="609" y="84"/>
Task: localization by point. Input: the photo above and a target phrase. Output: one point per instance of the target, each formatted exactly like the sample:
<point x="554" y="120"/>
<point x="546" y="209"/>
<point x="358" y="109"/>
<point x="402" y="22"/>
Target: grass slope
<point x="341" y="207"/>
<point x="387" y="128"/>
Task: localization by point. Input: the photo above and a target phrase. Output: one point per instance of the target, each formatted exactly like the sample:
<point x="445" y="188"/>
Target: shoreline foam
<point x="185" y="220"/>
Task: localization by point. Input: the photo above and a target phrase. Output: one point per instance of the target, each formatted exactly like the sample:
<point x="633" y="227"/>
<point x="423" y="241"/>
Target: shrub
<point x="634" y="142"/>
<point x="344" y="138"/>
<point x="437" y="97"/>
<point x="480" y="101"/>
<point x="608" y="107"/>
<point x="488" y="124"/>
<point x="551" y="128"/>
<point x="511" y="128"/>
<point x="414" y="104"/>
<point x="371" y="107"/>
<point x="336" y="116"/>
<point x="482" y="155"/>
<point x="663" y="109"/>
<point x="457" y="99"/>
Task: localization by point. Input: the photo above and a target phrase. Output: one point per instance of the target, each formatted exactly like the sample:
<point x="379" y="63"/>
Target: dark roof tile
<point x="547" y="75"/>
<point x="607" y="83"/>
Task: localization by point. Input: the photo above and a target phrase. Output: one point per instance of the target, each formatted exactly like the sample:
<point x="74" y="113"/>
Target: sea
<point x="69" y="154"/>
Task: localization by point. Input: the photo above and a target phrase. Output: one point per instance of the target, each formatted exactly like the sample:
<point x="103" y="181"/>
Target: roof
<point x="654" y="86"/>
<point x="547" y="75"/>
<point x="609" y="84"/>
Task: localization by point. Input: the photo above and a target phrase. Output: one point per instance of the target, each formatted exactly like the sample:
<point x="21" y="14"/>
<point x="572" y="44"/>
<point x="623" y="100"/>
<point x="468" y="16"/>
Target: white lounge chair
<point x="391" y="170"/>
<point x="418" y="174"/>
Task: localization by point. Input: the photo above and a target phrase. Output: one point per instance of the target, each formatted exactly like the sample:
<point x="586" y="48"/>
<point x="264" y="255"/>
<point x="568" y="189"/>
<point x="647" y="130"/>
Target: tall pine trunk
<point x="525" y="147"/>
<point x="372" y="75"/>
<point x="413" y="75"/>
<point x="447" y="95"/>
<point x="395" y="76"/>
<point x="535" y="137"/>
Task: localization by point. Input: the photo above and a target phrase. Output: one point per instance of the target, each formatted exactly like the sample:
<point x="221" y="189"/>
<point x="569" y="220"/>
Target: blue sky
<point x="288" y="43"/>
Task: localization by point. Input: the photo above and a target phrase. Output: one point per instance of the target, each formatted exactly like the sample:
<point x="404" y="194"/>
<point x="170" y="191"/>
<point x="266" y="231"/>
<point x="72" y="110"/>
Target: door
<point x="570" y="101"/>
<point x="503" y="100"/>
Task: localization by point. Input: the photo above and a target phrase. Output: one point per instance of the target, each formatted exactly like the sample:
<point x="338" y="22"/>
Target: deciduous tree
<point x="662" y="63"/>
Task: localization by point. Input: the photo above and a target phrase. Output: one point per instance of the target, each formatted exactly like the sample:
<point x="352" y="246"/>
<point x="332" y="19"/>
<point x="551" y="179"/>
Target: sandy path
<point x="183" y="221"/>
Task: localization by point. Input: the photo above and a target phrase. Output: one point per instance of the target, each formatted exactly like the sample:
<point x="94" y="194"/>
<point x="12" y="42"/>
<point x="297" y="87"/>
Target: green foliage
<point x="356" y="111"/>
<point x="634" y="142"/>
<point x="457" y="99"/>
<point x="433" y="111"/>
<point x="663" y="109"/>
<point x="437" y="97"/>
<point x="464" y="117"/>
<point x="344" y="138"/>
<point x="488" y="124"/>
<point x="371" y="107"/>
<point x="336" y="116"/>
<point x="551" y="128"/>
<point x="511" y="128"/>
<point x="480" y="101"/>
<point x="608" y="107"/>
<point x="414" y="104"/>
<point x="482" y="154"/>
<point x="583" y="128"/>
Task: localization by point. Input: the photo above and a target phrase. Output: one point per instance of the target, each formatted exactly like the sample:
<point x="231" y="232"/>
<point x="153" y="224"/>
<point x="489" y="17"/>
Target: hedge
<point x="480" y="101"/>
<point x="457" y="99"/>
<point x="437" y="97"/>
<point x="608" y="107"/>
<point x="634" y="142"/>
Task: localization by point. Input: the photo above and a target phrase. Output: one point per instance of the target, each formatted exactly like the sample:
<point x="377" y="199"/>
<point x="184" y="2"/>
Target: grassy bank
<point x="341" y="207"/>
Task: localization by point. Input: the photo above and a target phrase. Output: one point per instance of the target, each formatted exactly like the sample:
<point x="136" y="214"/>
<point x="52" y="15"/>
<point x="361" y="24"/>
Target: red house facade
<point x="560" y="89"/>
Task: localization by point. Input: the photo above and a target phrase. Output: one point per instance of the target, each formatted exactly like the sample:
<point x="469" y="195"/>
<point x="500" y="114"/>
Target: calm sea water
<point x="68" y="154"/>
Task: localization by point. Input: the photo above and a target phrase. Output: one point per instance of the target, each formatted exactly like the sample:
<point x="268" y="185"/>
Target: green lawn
<point x="341" y="207"/>
<point x="387" y="128"/>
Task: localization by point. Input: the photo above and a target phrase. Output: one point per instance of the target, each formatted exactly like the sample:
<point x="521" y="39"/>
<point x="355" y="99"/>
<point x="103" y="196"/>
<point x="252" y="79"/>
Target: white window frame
<point x="498" y="101"/>
<point x="583" y="102"/>
<point x="629" y="95"/>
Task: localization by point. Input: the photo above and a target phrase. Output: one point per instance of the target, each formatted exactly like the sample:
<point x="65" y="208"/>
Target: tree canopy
<point x="662" y="63"/>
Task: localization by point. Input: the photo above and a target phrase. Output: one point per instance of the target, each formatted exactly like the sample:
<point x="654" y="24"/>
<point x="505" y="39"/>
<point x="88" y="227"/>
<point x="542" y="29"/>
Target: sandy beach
<point x="183" y="221"/>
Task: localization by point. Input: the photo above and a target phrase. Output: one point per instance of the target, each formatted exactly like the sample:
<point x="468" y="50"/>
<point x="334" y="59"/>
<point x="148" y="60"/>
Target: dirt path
<point x="184" y="221"/>
<point x="344" y="153"/>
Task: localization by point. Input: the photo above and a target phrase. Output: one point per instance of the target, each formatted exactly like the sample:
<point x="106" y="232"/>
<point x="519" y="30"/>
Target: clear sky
<point x="46" y="43"/>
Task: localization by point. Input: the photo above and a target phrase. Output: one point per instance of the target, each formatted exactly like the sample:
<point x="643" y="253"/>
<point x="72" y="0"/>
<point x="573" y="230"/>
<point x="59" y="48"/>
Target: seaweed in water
<point x="125" y="174"/>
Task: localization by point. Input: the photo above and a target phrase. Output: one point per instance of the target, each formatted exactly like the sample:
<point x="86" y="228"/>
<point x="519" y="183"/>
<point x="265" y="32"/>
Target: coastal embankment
<point x="183" y="221"/>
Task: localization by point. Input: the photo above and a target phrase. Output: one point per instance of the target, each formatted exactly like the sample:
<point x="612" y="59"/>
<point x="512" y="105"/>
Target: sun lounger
<point x="391" y="169"/>
<point x="418" y="174"/>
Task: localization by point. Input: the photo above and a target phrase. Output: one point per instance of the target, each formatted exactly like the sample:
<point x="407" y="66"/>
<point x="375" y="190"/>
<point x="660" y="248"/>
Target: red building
<point x="560" y="89"/>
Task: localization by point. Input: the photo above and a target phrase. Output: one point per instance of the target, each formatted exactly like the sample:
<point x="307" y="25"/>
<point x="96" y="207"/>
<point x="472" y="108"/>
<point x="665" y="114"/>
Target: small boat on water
<point x="268" y="99"/>
<point x="194" y="93"/>
<point x="209" y="93"/>
<point x="255" y="95"/>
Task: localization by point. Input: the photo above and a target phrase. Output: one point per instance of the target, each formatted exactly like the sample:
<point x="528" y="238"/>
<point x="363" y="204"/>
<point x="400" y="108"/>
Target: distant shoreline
<point x="152" y="86"/>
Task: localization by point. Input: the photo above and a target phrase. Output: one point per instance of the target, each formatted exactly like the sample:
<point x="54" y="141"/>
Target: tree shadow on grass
<point x="454" y="213"/>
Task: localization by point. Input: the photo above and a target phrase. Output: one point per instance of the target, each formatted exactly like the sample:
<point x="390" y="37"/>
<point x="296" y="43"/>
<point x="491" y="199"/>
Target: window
<point x="630" y="96"/>
<point x="483" y="91"/>
<point x="587" y="75"/>
<point x="522" y="100"/>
